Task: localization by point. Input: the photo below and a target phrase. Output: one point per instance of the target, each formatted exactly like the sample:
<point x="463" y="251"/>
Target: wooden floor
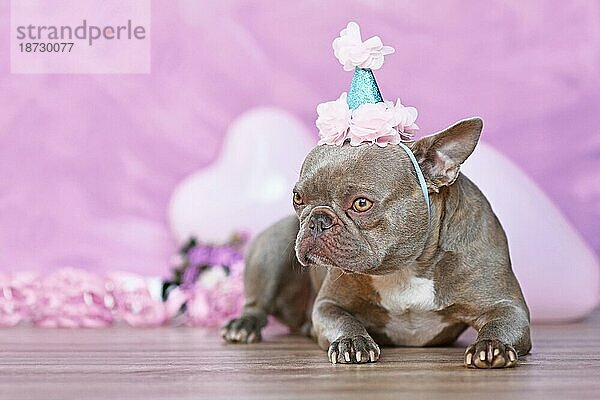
<point x="173" y="363"/>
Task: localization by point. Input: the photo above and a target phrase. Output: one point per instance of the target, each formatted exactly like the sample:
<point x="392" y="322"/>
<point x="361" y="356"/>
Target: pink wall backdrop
<point x="88" y="162"/>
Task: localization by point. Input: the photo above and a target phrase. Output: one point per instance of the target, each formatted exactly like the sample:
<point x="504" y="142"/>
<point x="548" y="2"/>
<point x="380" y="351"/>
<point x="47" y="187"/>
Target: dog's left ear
<point x="441" y="154"/>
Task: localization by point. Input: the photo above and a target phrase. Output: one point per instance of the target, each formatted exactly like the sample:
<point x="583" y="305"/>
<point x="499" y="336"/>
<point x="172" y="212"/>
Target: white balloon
<point x="558" y="272"/>
<point x="250" y="186"/>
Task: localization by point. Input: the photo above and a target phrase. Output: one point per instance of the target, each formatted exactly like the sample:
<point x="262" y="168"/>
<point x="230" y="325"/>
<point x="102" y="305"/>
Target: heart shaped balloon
<point x="558" y="272"/>
<point x="249" y="187"/>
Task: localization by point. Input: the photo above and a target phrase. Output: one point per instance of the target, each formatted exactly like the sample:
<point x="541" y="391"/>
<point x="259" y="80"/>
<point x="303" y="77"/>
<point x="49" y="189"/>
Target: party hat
<point x="362" y="116"/>
<point x="363" y="88"/>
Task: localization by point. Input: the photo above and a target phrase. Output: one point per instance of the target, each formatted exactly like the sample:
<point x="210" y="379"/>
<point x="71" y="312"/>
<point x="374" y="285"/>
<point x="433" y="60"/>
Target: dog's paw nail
<point x="482" y="355"/>
<point x="358" y="356"/>
<point x="511" y="356"/>
<point x="469" y="359"/>
<point x="334" y="357"/>
<point x="241" y="335"/>
<point x="496" y="352"/>
<point x="372" y="356"/>
<point x="347" y="356"/>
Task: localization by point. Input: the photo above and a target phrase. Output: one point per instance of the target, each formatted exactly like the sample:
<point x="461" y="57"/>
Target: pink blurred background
<point x="88" y="162"/>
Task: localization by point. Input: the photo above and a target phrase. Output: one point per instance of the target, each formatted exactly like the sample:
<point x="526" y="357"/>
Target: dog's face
<point x="361" y="208"/>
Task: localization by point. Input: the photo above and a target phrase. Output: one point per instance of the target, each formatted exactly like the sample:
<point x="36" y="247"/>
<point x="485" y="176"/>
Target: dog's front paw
<point x="490" y="354"/>
<point x="245" y="329"/>
<point x="353" y="350"/>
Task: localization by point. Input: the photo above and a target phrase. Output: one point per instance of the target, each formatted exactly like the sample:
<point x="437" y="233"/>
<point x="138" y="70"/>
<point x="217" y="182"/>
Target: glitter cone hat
<point x="362" y="116"/>
<point x="363" y="89"/>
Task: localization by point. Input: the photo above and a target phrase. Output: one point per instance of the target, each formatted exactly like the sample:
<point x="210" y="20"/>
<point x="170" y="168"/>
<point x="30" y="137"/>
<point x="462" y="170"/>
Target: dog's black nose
<point x="319" y="222"/>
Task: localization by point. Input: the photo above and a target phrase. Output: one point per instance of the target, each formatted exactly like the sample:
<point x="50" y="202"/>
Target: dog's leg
<point x="344" y="337"/>
<point x="503" y="337"/>
<point x="274" y="284"/>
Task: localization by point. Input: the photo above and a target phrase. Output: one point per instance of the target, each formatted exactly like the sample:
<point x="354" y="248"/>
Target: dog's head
<point x="361" y="208"/>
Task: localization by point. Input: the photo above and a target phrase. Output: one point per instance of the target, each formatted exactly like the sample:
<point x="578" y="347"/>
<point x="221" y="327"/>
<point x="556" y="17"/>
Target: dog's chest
<point x="412" y="310"/>
<point x="415" y="294"/>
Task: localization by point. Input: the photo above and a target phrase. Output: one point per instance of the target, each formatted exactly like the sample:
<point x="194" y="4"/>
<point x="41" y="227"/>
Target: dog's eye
<point x="361" y="204"/>
<point x="297" y="199"/>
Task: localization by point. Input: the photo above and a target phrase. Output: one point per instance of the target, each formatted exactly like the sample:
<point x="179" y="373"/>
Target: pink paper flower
<point x="18" y="295"/>
<point x="216" y="297"/>
<point x="379" y="123"/>
<point x="198" y="311"/>
<point x="333" y="120"/>
<point x="373" y="123"/>
<point x="137" y="300"/>
<point x="404" y="119"/>
<point x="72" y="298"/>
<point x="352" y="52"/>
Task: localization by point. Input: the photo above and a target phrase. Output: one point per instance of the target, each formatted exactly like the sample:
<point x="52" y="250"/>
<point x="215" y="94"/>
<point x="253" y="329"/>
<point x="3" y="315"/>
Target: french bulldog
<point x="365" y="263"/>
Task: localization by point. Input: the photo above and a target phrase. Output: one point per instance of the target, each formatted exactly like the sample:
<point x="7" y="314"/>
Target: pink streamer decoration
<point x="74" y="298"/>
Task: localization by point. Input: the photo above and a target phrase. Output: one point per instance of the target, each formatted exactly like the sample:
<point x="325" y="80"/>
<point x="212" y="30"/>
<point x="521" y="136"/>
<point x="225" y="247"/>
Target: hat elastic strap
<point x="420" y="176"/>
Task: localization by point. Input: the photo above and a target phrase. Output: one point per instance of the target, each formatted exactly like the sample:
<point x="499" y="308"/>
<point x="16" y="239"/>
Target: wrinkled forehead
<point x="366" y="168"/>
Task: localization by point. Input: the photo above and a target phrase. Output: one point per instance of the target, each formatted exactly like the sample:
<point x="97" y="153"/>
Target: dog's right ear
<point x="440" y="155"/>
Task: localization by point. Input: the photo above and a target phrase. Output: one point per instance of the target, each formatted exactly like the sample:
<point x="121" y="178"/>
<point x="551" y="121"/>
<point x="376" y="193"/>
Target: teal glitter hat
<point x="363" y="57"/>
<point x="362" y="116"/>
<point x="363" y="88"/>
